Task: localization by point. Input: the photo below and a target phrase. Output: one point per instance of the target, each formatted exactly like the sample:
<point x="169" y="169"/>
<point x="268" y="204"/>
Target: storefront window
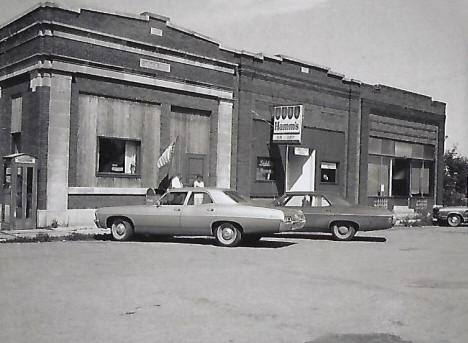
<point x="420" y="172"/>
<point x="399" y="168"/>
<point x="328" y="172"/>
<point x="265" y="169"/>
<point x="118" y="156"/>
<point x="378" y="176"/>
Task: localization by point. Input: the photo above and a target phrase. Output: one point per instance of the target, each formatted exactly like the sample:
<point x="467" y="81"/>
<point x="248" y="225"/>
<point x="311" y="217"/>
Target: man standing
<point x="198" y="182"/>
<point x="176" y="182"/>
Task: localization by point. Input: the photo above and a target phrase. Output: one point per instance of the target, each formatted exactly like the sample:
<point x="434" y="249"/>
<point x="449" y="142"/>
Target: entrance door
<point x="300" y="169"/>
<point x="400" y="177"/>
<point x="195" y="166"/>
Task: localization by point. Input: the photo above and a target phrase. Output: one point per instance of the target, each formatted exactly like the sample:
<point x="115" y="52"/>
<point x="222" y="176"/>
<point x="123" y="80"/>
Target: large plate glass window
<point x="119" y="156"/>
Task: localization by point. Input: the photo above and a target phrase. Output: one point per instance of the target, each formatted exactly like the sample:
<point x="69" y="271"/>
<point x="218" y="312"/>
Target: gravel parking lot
<point x="400" y="285"/>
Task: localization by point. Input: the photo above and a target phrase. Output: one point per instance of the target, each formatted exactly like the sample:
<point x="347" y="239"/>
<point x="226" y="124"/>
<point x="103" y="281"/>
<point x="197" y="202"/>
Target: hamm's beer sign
<point x="287" y="124"/>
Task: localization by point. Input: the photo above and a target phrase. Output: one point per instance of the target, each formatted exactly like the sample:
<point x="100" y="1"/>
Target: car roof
<point x="197" y="189"/>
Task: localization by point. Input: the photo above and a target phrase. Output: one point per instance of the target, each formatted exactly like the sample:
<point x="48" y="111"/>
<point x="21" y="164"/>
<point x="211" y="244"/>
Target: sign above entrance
<point x="287" y="124"/>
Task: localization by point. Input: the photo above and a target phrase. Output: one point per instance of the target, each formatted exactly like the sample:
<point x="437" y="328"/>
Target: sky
<point x="416" y="45"/>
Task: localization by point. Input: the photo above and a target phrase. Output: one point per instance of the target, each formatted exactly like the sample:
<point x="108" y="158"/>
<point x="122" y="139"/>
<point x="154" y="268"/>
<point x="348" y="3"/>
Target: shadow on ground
<point x="360" y="338"/>
<point x="263" y="243"/>
<point x="325" y="237"/>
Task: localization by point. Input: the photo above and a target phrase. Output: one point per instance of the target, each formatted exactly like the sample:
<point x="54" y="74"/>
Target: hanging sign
<point x="287" y="124"/>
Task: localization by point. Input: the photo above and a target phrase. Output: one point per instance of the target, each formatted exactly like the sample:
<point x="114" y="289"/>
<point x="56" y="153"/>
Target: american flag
<point x="166" y="155"/>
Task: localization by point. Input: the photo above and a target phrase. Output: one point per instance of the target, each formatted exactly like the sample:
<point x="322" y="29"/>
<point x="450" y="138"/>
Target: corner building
<point x="95" y="97"/>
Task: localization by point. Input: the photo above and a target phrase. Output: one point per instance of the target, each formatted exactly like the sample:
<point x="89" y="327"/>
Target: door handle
<point x="177" y="209"/>
<point x="210" y="210"/>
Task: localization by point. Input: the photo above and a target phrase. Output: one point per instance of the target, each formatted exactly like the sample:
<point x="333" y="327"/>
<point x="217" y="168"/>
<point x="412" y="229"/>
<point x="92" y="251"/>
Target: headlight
<point x="288" y="219"/>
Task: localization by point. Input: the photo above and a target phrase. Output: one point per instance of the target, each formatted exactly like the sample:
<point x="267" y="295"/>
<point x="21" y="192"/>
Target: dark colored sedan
<point x="451" y="215"/>
<point x="331" y="213"/>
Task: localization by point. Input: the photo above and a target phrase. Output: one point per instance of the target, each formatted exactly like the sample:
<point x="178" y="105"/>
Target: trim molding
<point x="122" y="76"/>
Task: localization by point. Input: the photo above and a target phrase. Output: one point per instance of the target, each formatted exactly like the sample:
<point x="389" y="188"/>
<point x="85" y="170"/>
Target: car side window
<point x="319" y="201"/>
<point x="295" y="201"/>
<point x="199" y="198"/>
<point x="173" y="198"/>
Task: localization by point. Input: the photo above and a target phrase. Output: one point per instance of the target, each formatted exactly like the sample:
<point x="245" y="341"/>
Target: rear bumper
<point x="291" y="226"/>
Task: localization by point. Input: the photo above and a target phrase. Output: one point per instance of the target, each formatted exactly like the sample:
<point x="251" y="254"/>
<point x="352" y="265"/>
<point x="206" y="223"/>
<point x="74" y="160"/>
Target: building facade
<point x="97" y="96"/>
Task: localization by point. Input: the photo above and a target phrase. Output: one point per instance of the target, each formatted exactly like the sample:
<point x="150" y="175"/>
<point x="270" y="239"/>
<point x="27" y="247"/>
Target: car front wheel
<point x="454" y="220"/>
<point x="121" y="230"/>
<point x="227" y="235"/>
<point x="343" y="231"/>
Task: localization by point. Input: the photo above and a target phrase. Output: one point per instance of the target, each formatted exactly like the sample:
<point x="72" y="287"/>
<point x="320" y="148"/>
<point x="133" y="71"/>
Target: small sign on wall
<point x="287" y="124"/>
<point x="301" y="151"/>
<point x="144" y="63"/>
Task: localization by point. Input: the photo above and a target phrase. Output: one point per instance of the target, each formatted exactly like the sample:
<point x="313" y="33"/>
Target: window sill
<point x="118" y="175"/>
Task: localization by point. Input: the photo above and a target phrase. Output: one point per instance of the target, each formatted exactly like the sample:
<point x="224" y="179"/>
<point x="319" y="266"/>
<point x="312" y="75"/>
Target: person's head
<point x="199" y="178"/>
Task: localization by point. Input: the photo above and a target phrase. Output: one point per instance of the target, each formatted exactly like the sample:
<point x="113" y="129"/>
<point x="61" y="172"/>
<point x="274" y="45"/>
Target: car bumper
<point x="291" y="226"/>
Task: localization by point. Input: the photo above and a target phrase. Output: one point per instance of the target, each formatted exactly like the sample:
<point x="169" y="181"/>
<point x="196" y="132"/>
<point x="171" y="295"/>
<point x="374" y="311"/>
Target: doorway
<point x="300" y="169"/>
<point x="400" y="177"/>
<point x="19" y="207"/>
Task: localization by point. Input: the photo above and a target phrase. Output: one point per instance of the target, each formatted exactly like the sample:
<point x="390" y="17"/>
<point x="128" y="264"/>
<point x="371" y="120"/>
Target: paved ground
<point x="398" y="286"/>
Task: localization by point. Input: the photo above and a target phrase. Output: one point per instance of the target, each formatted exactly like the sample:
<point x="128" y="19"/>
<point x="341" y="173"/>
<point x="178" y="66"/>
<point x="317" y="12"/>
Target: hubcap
<point x="454" y="219"/>
<point x="343" y="230"/>
<point x="120" y="229"/>
<point x="227" y="233"/>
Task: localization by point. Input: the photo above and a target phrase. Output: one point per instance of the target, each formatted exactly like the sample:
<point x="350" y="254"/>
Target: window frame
<point x="273" y="162"/>
<point x="192" y="194"/>
<point x="118" y="174"/>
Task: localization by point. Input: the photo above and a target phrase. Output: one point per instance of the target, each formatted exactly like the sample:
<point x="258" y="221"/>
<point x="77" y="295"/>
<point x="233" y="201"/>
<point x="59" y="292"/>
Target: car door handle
<point x="177" y="209"/>
<point x="210" y="209"/>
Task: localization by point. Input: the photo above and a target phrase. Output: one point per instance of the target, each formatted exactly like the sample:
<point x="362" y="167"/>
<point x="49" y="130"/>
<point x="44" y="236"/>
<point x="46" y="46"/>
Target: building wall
<point x="160" y="68"/>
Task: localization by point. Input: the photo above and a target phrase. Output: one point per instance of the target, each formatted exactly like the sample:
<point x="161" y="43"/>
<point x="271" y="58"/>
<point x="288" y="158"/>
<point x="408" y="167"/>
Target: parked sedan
<point x="331" y="213"/>
<point x="451" y="215"/>
<point x="221" y="213"/>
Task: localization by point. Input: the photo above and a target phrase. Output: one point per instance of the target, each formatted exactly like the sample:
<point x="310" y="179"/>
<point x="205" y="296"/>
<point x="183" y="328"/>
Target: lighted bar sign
<point x="287" y="124"/>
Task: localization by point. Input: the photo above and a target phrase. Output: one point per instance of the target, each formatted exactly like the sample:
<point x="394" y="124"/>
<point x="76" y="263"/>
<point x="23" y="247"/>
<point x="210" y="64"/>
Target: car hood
<point x="453" y="208"/>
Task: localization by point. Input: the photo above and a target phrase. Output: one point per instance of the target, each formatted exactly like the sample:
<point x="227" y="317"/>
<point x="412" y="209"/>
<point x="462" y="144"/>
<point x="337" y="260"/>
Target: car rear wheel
<point x="227" y="235"/>
<point x="343" y="231"/>
<point x="121" y="230"/>
<point x="454" y="220"/>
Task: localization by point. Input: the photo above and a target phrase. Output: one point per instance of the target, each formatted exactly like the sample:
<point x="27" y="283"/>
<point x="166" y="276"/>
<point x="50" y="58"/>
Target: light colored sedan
<point x="221" y="213"/>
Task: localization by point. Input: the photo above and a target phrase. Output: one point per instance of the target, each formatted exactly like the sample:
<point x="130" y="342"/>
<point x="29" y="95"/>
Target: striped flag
<point x="166" y="155"/>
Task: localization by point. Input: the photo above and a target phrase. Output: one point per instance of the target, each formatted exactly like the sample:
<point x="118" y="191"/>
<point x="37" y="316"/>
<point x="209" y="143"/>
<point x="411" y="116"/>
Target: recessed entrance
<point x="300" y="169"/>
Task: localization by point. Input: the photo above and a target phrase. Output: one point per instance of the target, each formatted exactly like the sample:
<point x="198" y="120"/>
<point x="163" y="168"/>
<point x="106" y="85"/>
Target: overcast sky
<point x="417" y="45"/>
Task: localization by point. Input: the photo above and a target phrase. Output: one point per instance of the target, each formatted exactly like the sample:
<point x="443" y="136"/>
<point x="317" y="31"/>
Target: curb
<point x="50" y="235"/>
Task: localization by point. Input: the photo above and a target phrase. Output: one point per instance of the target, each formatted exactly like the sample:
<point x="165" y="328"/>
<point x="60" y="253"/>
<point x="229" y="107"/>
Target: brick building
<point x="97" y="96"/>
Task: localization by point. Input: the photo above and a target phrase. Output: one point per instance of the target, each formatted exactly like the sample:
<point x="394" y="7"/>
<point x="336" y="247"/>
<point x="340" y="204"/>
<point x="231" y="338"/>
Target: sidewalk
<point x="52" y="234"/>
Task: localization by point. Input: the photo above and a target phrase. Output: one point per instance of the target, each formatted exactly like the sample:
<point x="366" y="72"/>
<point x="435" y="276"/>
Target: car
<point x="222" y="213"/>
<point x="332" y="214"/>
<point x="451" y="215"/>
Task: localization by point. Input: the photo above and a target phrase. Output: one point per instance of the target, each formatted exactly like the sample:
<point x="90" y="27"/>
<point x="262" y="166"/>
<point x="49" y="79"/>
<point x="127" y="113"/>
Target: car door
<point x="164" y="217"/>
<point x="316" y="209"/>
<point x="197" y="215"/>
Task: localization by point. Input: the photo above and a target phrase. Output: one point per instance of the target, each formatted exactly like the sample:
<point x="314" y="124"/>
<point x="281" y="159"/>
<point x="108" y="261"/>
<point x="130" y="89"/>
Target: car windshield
<point x="235" y="196"/>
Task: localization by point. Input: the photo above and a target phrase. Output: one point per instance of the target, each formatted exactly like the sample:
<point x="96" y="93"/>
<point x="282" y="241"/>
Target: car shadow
<point x="326" y="237"/>
<point x="197" y="240"/>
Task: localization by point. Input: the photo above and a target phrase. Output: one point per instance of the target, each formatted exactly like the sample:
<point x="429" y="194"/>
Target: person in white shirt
<point x="198" y="182"/>
<point x="175" y="182"/>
